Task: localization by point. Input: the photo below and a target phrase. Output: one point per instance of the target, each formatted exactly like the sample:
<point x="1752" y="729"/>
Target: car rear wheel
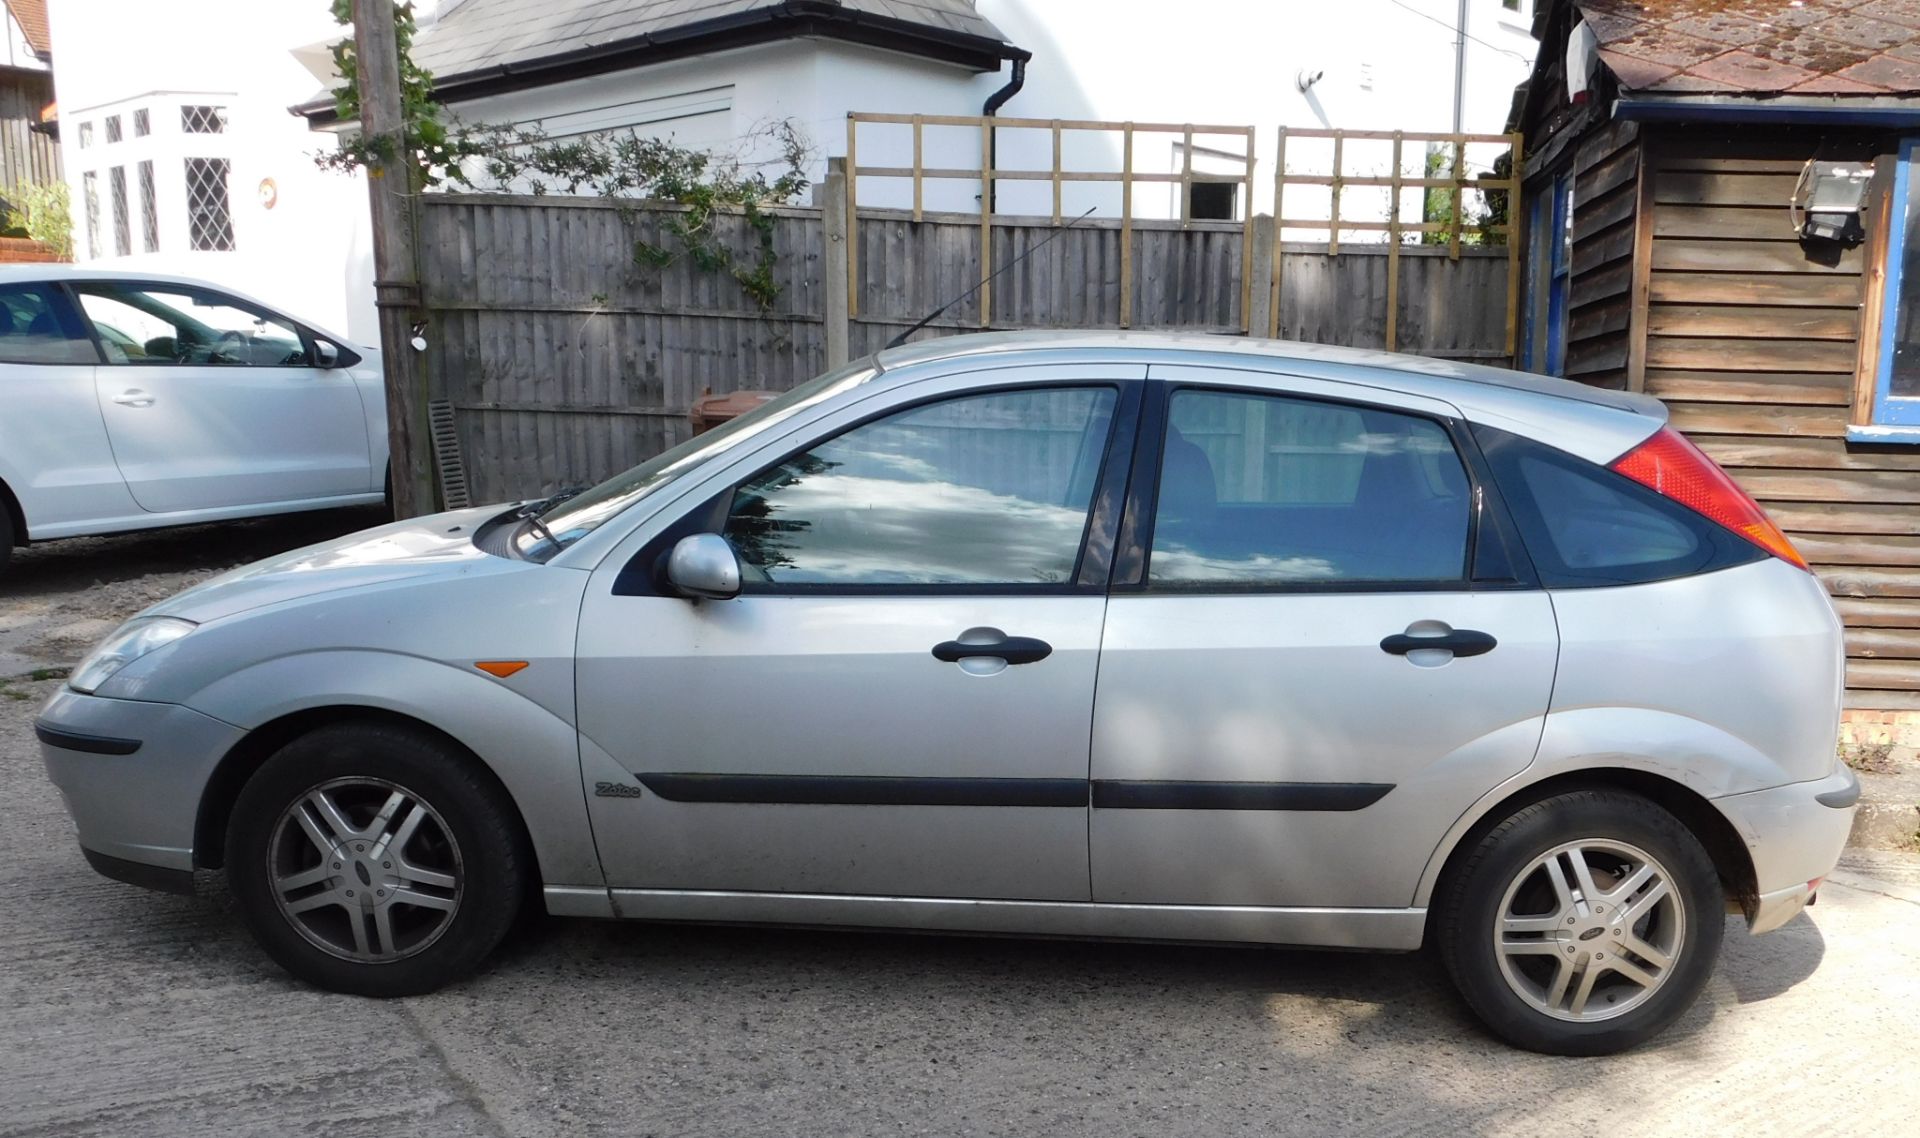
<point x="375" y="860"/>
<point x="1583" y="924"/>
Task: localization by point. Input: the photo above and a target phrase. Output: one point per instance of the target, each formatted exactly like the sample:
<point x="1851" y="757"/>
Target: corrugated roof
<point x="474" y="34"/>
<point x="31" y="15"/>
<point x="1759" y="47"/>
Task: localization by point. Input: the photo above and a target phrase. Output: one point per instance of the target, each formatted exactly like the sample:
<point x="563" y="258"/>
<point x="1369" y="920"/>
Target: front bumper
<point x="1794" y="834"/>
<point x="132" y="775"/>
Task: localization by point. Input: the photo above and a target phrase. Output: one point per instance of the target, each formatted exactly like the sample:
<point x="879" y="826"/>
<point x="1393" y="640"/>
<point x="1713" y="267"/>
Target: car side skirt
<point x="1389" y="929"/>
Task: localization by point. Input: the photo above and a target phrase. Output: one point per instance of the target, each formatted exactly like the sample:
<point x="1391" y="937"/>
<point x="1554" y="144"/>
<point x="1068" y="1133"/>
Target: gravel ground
<point x="126" y="1012"/>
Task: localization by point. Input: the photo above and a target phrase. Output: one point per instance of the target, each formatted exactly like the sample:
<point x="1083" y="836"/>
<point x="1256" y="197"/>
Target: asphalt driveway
<point x="124" y="1012"/>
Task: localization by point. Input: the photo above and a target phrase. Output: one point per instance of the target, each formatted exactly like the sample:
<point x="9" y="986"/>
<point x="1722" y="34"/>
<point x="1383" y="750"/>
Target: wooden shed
<point x="1688" y="168"/>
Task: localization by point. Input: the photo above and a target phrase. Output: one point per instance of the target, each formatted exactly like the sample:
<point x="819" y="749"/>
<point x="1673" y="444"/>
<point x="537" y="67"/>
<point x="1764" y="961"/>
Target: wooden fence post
<point x="833" y="217"/>
<point x="1259" y="291"/>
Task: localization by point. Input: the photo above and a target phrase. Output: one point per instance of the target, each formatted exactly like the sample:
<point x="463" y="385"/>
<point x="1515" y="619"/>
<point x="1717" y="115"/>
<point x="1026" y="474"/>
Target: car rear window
<point x="1586" y="526"/>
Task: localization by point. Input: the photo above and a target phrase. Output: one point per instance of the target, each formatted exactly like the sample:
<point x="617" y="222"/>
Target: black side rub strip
<point x="856" y="790"/>
<point x="1341" y="796"/>
<point x="91" y="744"/>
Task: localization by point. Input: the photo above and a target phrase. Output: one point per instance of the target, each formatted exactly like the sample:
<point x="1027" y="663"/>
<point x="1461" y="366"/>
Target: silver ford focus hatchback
<point x="1095" y="635"/>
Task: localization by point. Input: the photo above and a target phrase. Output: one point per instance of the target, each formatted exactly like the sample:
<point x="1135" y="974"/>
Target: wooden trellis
<point x="1337" y="180"/>
<point x="987" y="175"/>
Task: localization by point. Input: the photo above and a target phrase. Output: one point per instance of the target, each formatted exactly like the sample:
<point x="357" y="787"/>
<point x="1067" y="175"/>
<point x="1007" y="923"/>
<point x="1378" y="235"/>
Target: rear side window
<point x="1584" y="525"/>
<point x="36" y="327"/>
<point x="1262" y="490"/>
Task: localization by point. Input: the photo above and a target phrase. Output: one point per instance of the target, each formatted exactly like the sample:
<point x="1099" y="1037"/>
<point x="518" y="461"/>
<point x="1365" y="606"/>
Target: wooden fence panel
<point x="567" y="359"/>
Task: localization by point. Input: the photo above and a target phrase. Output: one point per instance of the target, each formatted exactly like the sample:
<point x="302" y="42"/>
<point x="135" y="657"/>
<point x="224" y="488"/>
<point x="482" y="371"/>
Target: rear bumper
<point x="132" y="775"/>
<point x="1794" y="834"/>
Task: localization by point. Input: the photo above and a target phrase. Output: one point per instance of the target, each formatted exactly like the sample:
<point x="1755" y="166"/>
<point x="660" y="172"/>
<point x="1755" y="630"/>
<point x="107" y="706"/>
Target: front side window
<point x="36" y="327"/>
<point x="169" y="325"/>
<point x="990" y="489"/>
<point x="1261" y="490"/>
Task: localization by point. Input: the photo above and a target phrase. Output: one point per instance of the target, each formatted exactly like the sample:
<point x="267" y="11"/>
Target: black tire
<point x="1474" y="898"/>
<point x="468" y="833"/>
<point x="6" y="536"/>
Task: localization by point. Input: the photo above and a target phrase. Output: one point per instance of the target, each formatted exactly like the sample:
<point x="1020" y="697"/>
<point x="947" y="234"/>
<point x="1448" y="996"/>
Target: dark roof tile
<point x="1760" y="46"/>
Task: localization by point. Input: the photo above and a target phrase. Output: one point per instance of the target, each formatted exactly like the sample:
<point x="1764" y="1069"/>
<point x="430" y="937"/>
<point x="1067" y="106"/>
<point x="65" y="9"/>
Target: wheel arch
<point x="1722" y="840"/>
<point x="245" y="757"/>
<point x="10" y="503"/>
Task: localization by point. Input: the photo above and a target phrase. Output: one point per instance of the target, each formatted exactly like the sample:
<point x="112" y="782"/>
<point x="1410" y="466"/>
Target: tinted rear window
<point x="1584" y="525"/>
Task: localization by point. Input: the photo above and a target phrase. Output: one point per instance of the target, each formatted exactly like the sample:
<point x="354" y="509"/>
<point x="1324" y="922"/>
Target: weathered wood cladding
<point x="1606" y="173"/>
<point x="1751" y="337"/>
<point x="566" y="361"/>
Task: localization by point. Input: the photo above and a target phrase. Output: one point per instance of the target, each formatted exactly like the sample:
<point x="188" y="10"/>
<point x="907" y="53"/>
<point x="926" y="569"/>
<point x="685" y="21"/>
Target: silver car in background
<point x="1092" y="635"/>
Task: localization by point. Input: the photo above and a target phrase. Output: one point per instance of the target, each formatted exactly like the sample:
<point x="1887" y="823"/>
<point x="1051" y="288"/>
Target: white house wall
<point x="310" y="252"/>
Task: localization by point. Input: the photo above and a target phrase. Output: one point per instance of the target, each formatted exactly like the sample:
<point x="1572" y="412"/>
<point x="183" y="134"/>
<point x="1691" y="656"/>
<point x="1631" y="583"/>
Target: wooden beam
<point x="853" y="219"/>
<point x="1515" y="147"/>
<point x="1639" y="324"/>
<point x="1126" y="226"/>
<point x="1393" y="253"/>
<point x="1873" y="296"/>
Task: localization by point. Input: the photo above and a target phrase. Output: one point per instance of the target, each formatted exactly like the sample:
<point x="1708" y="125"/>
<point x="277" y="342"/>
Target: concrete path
<point x="125" y="1012"/>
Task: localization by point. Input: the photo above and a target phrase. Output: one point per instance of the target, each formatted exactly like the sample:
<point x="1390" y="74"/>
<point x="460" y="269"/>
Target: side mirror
<point x="325" y="355"/>
<point x="704" y="565"/>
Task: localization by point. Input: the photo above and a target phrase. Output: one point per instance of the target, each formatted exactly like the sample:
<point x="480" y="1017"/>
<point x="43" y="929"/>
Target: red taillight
<point x="1673" y="467"/>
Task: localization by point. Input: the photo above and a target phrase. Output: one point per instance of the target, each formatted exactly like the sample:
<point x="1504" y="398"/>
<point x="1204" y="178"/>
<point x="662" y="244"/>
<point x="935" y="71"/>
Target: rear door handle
<point x="1460" y="642"/>
<point x="134" y="398"/>
<point x="1012" y="649"/>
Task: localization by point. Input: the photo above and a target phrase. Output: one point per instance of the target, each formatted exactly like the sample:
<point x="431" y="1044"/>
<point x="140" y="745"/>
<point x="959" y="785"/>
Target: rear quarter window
<point x="1585" y="526"/>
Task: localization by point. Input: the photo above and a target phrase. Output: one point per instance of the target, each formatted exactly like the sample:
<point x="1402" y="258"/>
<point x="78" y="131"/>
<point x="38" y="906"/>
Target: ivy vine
<point x="624" y="167"/>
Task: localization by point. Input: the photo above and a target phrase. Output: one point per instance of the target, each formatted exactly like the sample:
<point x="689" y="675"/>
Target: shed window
<point x="1895" y="413"/>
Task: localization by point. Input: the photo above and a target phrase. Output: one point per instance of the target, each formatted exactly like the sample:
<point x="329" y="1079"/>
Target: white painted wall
<point x="15" y="51"/>
<point x="1386" y="64"/>
<point x="310" y="253"/>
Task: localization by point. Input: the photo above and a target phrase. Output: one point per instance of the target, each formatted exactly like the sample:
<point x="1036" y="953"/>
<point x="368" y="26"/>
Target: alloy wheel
<point x="1589" y="930"/>
<point x="365" y="870"/>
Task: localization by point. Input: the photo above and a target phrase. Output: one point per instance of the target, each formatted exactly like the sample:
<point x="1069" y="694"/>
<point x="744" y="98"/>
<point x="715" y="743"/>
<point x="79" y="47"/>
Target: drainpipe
<point x="1460" y="70"/>
<point x="992" y="107"/>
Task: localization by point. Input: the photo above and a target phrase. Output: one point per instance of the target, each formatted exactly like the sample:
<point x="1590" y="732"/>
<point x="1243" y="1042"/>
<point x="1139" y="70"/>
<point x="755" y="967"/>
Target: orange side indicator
<point x="500" y="668"/>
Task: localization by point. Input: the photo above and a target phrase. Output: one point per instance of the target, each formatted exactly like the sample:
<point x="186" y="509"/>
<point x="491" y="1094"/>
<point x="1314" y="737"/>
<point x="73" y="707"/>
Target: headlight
<point x="128" y="643"/>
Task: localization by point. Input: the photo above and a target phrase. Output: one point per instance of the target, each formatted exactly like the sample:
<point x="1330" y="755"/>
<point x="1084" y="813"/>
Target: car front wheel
<point x="1583" y="924"/>
<point x="376" y="860"/>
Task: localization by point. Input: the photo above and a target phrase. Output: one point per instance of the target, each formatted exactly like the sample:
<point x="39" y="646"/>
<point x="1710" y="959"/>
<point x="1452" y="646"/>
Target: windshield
<point x="572" y="519"/>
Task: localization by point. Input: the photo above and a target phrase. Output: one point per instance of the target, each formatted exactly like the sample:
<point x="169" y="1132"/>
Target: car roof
<point x="1595" y="423"/>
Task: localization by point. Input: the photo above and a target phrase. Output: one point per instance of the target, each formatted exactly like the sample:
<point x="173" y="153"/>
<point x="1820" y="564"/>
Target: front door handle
<point x="1459" y="641"/>
<point x="134" y="397"/>
<point x="1012" y="649"/>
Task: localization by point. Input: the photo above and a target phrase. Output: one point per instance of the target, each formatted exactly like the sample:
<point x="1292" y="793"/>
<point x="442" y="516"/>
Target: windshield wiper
<point x="530" y="513"/>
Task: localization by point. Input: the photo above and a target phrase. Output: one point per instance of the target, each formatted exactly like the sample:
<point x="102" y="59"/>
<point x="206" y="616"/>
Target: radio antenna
<point x="938" y="312"/>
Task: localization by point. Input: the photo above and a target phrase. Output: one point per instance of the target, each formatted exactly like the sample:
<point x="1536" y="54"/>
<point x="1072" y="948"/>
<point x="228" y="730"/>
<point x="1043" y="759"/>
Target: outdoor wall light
<point x="1827" y="201"/>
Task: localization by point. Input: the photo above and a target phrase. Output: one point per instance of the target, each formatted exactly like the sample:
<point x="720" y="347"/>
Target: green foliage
<point x="43" y="212"/>
<point x="1477" y="227"/>
<point x="623" y="167"/>
<point x="627" y="167"/>
<point x="435" y="151"/>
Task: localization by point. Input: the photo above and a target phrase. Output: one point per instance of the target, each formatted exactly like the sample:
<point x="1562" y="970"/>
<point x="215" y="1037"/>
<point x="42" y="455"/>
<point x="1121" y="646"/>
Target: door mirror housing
<point x="704" y="565"/>
<point x="325" y="355"/>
